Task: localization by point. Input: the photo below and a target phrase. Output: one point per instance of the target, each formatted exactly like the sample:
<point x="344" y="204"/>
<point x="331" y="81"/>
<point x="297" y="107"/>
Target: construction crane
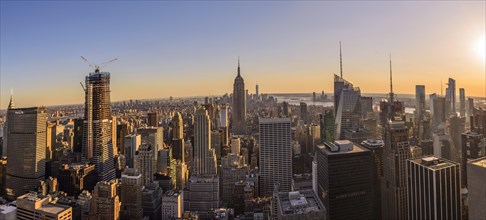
<point x="96" y="68"/>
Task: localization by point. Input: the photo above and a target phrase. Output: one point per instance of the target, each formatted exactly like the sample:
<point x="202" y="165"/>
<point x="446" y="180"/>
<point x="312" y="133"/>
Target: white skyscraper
<point x="275" y="154"/>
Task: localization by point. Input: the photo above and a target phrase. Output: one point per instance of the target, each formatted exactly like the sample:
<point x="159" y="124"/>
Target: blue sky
<point x="191" y="48"/>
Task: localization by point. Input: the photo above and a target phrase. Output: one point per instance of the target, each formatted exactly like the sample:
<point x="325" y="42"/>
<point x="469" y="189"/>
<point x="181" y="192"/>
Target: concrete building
<point x="152" y="119"/>
<point x="155" y="137"/>
<point x="97" y="137"/>
<point x="105" y="203"/>
<point x="26" y="138"/>
<point x="172" y="205"/>
<point x="152" y="202"/>
<point x="131" y="144"/>
<point x="235" y="145"/>
<point x="75" y="177"/>
<point x="300" y="205"/>
<point x="143" y="163"/>
<point x="275" y="154"/>
<point x="131" y="195"/>
<point x="344" y="171"/>
<point x="8" y="212"/>
<point x="476" y="174"/>
<point x="202" y="195"/>
<point x="35" y="206"/>
<point x="239" y="105"/>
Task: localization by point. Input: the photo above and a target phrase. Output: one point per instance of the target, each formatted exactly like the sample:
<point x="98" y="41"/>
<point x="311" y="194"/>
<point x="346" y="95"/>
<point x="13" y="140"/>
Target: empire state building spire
<point x="239" y="67"/>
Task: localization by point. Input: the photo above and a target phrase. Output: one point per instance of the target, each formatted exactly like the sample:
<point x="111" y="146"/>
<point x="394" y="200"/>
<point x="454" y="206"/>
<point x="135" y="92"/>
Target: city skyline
<point x="185" y="49"/>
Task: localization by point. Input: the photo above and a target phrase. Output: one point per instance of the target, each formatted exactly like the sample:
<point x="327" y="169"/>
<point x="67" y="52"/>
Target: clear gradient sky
<point x="191" y="48"/>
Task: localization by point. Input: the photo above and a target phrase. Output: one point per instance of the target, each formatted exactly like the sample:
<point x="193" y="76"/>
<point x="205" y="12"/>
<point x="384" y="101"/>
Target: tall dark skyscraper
<point x="97" y="143"/>
<point x="420" y="102"/>
<point x="462" y="102"/>
<point x="27" y="141"/>
<point x="344" y="173"/>
<point x="451" y="96"/>
<point x="152" y="119"/>
<point x="239" y="104"/>
<point x="304" y="114"/>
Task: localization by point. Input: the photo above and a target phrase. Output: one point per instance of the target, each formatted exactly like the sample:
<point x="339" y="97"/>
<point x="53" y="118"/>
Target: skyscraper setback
<point x="97" y="143"/>
<point x="239" y="104"/>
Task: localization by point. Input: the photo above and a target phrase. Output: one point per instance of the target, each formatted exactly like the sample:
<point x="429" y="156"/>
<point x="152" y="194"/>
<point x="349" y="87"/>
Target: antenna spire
<point x="391" y="81"/>
<point x="238" y="66"/>
<point x="341" y="59"/>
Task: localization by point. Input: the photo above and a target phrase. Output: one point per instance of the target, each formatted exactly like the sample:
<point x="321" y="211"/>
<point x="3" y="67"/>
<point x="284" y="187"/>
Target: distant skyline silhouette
<point x="191" y="48"/>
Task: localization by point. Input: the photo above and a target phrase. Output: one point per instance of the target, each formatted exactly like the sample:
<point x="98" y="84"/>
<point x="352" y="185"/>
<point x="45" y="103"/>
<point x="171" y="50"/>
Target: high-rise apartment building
<point x="131" y="195"/>
<point x="473" y="147"/>
<point x="434" y="188"/>
<point x="462" y="102"/>
<point x="97" y="143"/>
<point x="239" y="105"/>
<point x="419" y="102"/>
<point x="155" y="137"/>
<point x="304" y="114"/>
<point x="275" y="154"/>
<point x="344" y="172"/>
<point x="143" y="163"/>
<point x="26" y="138"/>
<point x="105" y="203"/>
<point x="204" y="161"/>
<point x="153" y="119"/>
<point x="451" y="96"/>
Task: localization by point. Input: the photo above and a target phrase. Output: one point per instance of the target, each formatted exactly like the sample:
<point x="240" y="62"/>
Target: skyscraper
<point x="105" y="204"/>
<point x="178" y="137"/>
<point x="344" y="171"/>
<point x="275" y="155"/>
<point x="394" y="185"/>
<point x="26" y="138"/>
<point x="420" y="102"/>
<point x="143" y="163"/>
<point x="97" y="143"/>
<point x="376" y="149"/>
<point x="327" y="126"/>
<point x="348" y="109"/>
<point x="451" y="96"/>
<point x="462" y="100"/>
<point x="473" y="147"/>
<point x="239" y="104"/>
<point x="155" y="137"/>
<point x="303" y="113"/>
<point x="204" y="156"/>
<point x="153" y="119"/>
<point x="131" y="195"/>
<point x="434" y="189"/>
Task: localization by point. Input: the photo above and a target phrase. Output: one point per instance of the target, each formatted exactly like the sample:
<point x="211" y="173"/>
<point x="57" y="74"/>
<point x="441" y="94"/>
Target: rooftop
<point x="434" y="163"/>
<point x="299" y="202"/>
<point x="341" y="147"/>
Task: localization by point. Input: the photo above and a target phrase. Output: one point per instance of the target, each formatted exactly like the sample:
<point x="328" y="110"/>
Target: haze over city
<point x="191" y="48"/>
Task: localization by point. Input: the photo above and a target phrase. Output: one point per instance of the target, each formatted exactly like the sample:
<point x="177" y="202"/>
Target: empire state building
<point x="239" y="105"/>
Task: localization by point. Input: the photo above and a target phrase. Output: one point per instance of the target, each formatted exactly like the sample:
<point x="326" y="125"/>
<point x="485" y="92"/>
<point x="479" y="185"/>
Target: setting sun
<point x="480" y="47"/>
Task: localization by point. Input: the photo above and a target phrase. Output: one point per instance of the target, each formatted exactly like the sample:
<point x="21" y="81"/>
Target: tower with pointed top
<point x="395" y="154"/>
<point x="11" y="105"/>
<point x="239" y="105"/>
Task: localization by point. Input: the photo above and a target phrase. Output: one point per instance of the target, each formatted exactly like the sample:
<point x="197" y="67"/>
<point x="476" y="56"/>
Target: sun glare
<point x="480" y="48"/>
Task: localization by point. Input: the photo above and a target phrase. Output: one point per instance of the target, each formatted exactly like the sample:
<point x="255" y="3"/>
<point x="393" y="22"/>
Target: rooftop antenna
<point x="341" y="59"/>
<point x="391" y="81"/>
<point x="238" y="65"/>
